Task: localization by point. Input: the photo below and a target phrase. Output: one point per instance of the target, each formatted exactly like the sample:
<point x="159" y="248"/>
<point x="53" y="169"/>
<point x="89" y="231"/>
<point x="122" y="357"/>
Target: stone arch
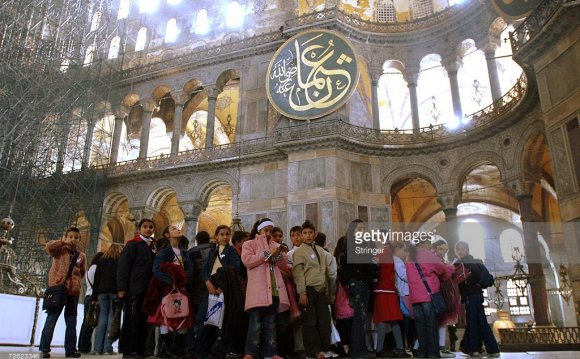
<point x="226" y="76"/>
<point x="112" y="202"/>
<point x="160" y="92"/>
<point x="213" y="182"/>
<point x="394" y="64"/>
<point x="159" y="195"/>
<point x="529" y="150"/>
<point x="131" y="100"/>
<point x="464" y="46"/>
<point x="410" y="171"/>
<point x="472" y="161"/>
<point x="192" y="85"/>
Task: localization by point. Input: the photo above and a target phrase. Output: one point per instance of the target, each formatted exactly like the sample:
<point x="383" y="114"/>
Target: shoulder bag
<point x="437" y="300"/>
<point x="55" y="296"/>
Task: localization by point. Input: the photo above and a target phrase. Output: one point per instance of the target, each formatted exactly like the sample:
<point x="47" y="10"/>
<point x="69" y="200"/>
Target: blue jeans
<point x="102" y="342"/>
<point x="427" y="330"/>
<point x="70" y="318"/>
<point x="477" y="326"/>
<point x="207" y="340"/>
<point x="262" y="329"/>
<point x="359" y="295"/>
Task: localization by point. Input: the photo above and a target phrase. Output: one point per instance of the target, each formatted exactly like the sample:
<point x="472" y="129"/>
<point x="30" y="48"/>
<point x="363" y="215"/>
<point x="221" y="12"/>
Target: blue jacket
<point x="167" y="255"/>
<point x="229" y="258"/>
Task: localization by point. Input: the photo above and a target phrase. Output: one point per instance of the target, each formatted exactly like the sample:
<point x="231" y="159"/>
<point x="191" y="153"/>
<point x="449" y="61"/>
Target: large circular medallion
<point x="312" y="74"/>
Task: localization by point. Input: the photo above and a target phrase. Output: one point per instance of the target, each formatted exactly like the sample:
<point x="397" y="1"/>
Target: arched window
<point x="234" y="15"/>
<point x="89" y="55"/>
<point x="202" y="22"/>
<point x="394" y="102"/>
<point x="473" y="80"/>
<point x="385" y="11"/>
<point x="421" y="8"/>
<point x="472" y="232"/>
<point x="159" y="138"/>
<point x="96" y="21"/>
<point x="114" y="48"/>
<point x="509" y="70"/>
<point x="508" y="240"/>
<point x="141" y="39"/>
<point x="124" y="7"/>
<point x="171" y="31"/>
<point x="102" y="140"/>
<point x="77" y="136"/>
<point x="434" y="93"/>
<point x="148" y="6"/>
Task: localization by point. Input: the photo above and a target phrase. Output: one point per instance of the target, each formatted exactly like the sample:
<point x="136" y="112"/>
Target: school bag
<point x="486" y="280"/>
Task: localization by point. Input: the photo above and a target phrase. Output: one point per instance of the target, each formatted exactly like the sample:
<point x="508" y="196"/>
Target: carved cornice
<point x="469" y="21"/>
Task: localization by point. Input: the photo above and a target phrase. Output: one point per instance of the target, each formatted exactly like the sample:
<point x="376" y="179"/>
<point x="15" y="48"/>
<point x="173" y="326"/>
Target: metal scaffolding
<point x="56" y="87"/>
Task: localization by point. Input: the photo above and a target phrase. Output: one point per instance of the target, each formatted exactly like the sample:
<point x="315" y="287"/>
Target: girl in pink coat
<point x="266" y="293"/>
<point x="434" y="271"/>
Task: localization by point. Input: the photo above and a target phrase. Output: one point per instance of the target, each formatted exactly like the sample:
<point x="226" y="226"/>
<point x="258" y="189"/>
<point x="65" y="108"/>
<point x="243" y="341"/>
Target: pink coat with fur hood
<point x="259" y="290"/>
<point x="60" y="262"/>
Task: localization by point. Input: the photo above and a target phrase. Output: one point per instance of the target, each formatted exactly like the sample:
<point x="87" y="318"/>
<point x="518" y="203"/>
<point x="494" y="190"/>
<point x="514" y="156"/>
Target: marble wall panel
<point x="311" y="174"/>
<point x="361" y="177"/>
<point x="346" y="213"/>
<point x="262" y="185"/>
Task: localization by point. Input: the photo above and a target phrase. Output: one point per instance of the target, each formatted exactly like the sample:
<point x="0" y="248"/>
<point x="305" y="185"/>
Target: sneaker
<point x="73" y="355"/>
<point x="475" y="355"/>
<point x="110" y="353"/>
<point x="45" y="355"/>
<point x="446" y="354"/>
<point x="494" y="355"/>
<point x="330" y="354"/>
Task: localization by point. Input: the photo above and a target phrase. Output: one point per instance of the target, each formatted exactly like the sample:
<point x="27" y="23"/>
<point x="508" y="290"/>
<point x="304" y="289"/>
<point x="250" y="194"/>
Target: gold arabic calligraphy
<point x="309" y="77"/>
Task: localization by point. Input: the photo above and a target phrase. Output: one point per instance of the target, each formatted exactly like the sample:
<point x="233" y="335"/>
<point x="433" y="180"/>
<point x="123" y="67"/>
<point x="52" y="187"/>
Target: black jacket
<point x="471" y="285"/>
<point x="135" y="267"/>
<point x="105" y="276"/>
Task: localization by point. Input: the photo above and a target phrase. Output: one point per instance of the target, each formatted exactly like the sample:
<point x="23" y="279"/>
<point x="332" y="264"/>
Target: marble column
<point x="191" y="211"/>
<point x="88" y="143"/>
<point x="452" y="68"/>
<point x="534" y="261"/>
<point x="375" y="93"/>
<point x="492" y="73"/>
<point x="177" y="122"/>
<point x="212" y="94"/>
<point x="120" y="116"/>
<point x="148" y="109"/>
<point x="62" y="140"/>
<point x="411" y="77"/>
<point x="450" y="230"/>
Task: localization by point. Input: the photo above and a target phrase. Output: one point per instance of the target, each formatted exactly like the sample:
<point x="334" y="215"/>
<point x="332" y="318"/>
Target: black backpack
<point x="486" y="280"/>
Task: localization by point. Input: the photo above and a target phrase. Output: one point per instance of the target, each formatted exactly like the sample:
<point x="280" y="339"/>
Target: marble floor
<point x="7" y="352"/>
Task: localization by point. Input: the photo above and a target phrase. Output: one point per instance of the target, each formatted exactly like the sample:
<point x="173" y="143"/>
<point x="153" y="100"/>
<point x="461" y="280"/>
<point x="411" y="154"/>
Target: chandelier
<point x="565" y="289"/>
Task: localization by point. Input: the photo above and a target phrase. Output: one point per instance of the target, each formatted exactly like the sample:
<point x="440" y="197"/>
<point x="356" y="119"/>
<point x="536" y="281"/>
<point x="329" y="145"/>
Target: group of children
<point x="276" y="301"/>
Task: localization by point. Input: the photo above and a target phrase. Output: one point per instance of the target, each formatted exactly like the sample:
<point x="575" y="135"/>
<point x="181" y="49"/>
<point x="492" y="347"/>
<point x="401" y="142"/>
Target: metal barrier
<point x="540" y="338"/>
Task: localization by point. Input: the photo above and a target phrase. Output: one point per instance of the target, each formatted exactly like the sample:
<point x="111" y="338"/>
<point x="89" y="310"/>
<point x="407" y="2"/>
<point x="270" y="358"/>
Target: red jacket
<point x="386" y="299"/>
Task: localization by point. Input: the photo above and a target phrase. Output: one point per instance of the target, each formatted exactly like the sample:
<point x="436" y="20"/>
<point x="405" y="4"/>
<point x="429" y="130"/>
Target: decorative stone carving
<point x="563" y="174"/>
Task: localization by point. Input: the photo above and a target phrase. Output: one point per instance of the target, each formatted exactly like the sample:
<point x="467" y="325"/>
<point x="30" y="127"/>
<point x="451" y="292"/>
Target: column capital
<point x="452" y="64"/>
<point x="180" y="98"/>
<point x="120" y="112"/>
<point x="488" y="45"/>
<point x="192" y="209"/>
<point x="140" y="212"/>
<point x="449" y="201"/>
<point x="212" y="92"/>
<point x="376" y="72"/>
<point x="149" y="105"/>
<point x="521" y="187"/>
<point x="411" y="76"/>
